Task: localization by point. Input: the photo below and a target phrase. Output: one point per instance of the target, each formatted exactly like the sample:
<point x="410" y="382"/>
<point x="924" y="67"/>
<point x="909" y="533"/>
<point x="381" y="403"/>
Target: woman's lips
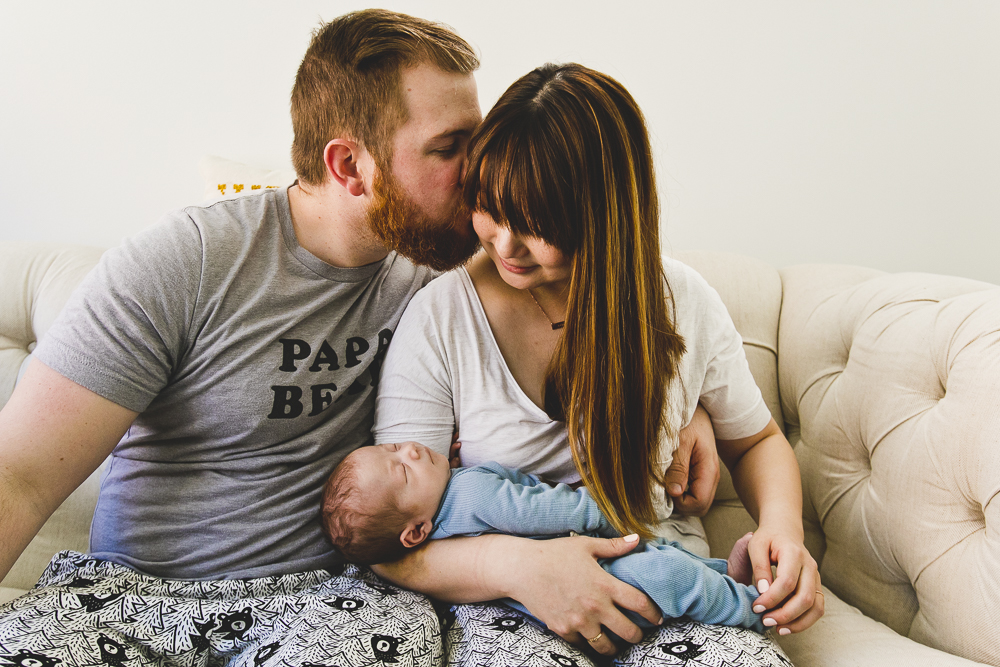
<point x="514" y="269"/>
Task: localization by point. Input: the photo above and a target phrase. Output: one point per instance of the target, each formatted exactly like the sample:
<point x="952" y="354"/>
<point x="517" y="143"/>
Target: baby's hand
<point x="740" y="567"/>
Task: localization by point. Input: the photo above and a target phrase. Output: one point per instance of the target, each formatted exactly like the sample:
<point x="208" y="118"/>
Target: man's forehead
<point x="439" y="103"/>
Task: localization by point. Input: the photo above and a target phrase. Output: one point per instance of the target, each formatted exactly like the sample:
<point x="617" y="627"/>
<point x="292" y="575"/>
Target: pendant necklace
<point x="555" y="325"/>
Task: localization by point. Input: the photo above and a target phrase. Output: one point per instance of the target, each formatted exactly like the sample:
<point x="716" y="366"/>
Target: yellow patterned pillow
<point x="225" y="179"/>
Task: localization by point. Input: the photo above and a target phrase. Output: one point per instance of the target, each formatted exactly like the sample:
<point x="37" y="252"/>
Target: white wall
<point x="857" y="131"/>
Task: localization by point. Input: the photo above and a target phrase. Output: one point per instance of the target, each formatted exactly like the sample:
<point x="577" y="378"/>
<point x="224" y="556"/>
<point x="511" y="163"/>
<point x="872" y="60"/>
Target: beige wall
<point x="857" y="132"/>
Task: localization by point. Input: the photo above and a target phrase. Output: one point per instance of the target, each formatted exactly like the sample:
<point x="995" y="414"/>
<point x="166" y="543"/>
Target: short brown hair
<point x="365" y="530"/>
<point x="349" y="81"/>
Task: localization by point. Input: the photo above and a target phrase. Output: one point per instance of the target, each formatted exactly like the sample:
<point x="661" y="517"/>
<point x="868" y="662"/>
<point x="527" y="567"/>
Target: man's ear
<point x="415" y="533"/>
<point x="342" y="158"/>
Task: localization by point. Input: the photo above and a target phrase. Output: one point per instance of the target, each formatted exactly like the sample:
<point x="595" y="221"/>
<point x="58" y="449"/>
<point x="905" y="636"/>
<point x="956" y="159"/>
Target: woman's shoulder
<point x="441" y="302"/>
<point x="447" y="287"/>
<point x="685" y="284"/>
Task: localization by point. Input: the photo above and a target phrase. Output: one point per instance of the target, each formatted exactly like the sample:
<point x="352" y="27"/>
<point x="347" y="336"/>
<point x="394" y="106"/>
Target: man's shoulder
<point x="238" y="218"/>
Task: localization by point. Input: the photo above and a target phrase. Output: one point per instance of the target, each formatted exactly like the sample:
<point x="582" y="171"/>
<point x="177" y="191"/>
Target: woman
<point x="570" y="350"/>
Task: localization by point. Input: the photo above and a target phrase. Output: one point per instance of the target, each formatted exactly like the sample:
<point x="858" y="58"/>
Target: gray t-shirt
<point x="253" y="365"/>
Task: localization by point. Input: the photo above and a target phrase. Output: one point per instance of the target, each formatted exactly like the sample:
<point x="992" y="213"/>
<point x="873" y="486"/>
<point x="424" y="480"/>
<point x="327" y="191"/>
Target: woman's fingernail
<point x="660" y="622"/>
<point x="762" y="586"/>
<point x="631" y="538"/>
<point x="770" y="622"/>
<point x="676" y="490"/>
<point x="784" y="631"/>
<point x="759" y="609"/>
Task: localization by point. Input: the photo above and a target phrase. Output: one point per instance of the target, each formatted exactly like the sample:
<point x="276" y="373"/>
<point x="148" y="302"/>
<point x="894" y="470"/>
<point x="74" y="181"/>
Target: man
<point x="229" y="357"/>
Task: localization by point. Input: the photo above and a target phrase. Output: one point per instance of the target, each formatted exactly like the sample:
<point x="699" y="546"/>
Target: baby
<point x="383" y="500"/>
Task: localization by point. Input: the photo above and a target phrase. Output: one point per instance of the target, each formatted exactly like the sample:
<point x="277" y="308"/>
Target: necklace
<point x="555" y="325"/>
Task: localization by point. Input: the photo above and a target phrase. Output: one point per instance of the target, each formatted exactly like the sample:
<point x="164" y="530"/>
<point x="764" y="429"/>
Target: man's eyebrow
<point x="448" y="134"/>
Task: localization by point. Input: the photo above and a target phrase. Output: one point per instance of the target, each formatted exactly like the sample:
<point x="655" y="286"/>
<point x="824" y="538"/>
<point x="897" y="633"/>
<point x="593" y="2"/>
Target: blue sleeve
<point x="493" y="499"/>
<point x="682" y="585"/>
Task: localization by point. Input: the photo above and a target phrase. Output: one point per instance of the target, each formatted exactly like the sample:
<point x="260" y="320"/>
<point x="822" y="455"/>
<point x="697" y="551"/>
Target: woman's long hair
<point x="564" y="156"/>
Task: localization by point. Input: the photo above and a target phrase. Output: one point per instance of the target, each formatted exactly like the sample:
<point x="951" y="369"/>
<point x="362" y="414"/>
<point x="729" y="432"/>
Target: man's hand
<point x="693" y="476"/>
<point x="454" y="453"/>
<point x="561" y="583"/>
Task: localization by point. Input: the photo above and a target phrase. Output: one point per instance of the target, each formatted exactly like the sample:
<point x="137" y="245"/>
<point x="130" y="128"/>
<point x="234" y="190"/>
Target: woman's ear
<point x="415" y="533"/>
<point x="342" y="157"/>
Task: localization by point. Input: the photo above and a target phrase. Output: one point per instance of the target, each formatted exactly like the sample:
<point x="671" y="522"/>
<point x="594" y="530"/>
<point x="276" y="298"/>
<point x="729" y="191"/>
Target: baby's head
<point x="381" y="501"/>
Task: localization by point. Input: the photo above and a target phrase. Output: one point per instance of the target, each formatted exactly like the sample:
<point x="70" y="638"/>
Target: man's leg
<point x="86" y="611"/>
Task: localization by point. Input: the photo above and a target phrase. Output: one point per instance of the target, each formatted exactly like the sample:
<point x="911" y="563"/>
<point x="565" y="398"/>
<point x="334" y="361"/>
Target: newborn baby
<point x="382" y="500"/>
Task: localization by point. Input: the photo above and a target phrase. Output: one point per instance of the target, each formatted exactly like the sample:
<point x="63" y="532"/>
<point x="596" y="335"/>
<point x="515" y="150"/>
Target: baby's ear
<point x="415" y="533"/>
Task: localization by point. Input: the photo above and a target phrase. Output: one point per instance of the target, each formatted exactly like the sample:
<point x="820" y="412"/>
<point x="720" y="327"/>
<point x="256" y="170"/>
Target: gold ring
<point x="820" y="593"/>
<point x="599" y="635"/>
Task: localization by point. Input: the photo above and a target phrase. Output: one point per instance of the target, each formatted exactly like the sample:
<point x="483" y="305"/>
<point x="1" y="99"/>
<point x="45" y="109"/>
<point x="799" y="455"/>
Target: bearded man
<point x="227" y="360"/>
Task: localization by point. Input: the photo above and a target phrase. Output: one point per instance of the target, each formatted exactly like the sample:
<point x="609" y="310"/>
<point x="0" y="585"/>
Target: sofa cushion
<point x="891" y="382"/>
<point x="37" y="280"/>
<point x="845" y="637"/>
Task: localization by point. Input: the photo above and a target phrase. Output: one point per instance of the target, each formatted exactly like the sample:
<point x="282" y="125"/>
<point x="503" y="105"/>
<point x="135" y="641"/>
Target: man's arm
<point x="53" y="434"/>
<point x="693" y="476"/>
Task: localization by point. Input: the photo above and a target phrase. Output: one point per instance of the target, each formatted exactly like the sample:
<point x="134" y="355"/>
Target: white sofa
<point x="888" y="387"/>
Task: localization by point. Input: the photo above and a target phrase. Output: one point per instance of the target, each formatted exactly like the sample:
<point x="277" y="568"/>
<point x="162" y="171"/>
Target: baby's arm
<point x="494" y="499"/>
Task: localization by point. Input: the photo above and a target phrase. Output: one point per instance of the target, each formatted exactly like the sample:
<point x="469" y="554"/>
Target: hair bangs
<point x="516" y="177"/>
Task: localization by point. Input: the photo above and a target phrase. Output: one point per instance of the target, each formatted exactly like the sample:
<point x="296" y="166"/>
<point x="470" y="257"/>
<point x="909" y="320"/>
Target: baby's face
<point x="415" y="475"/>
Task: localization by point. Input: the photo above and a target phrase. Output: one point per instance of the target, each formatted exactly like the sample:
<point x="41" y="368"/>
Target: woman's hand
<point x="766" y="477"/>
<point x="560" y="582"/>
<point x="795" y="596"/>
<point x="693" y="476"/>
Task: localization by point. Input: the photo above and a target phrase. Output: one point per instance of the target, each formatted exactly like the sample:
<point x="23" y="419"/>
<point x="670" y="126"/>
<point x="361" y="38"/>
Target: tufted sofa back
<point x="890" y="389"/>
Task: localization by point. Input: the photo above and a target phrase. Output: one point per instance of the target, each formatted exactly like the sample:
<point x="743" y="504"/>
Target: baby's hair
<point x="353" y="521"/>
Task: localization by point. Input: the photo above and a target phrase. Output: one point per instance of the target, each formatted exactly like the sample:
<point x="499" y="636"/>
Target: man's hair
<point x="364" y="528"/>
<point x="349" y="82"/>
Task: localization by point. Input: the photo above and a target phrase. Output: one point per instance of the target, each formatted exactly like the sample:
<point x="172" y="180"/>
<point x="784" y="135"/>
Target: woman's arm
<point x="559" y="581"/>
<point x="766" y="477"/>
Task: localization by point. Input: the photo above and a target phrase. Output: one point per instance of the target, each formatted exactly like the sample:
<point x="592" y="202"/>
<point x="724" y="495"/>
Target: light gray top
<point x="253" y="364"/>
<point x="445" y="369"/>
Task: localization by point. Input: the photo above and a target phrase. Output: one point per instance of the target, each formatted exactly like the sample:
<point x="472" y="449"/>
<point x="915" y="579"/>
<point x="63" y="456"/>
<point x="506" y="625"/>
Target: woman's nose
<point x="507" y="243"/>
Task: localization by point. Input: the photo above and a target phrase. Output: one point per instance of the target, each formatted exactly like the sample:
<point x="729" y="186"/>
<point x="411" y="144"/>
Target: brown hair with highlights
<point x="564" y="156"/>
<point x="349" y="82"/>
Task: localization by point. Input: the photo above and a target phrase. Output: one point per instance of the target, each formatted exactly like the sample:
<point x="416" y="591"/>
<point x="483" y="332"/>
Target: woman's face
<point x="522" y="261"/>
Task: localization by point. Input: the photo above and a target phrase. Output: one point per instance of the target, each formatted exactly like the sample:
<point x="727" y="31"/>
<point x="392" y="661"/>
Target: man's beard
<point x="401" y="226"/>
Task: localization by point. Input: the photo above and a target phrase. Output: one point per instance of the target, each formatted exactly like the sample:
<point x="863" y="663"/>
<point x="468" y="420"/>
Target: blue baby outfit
<point x="493" y="499"/>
